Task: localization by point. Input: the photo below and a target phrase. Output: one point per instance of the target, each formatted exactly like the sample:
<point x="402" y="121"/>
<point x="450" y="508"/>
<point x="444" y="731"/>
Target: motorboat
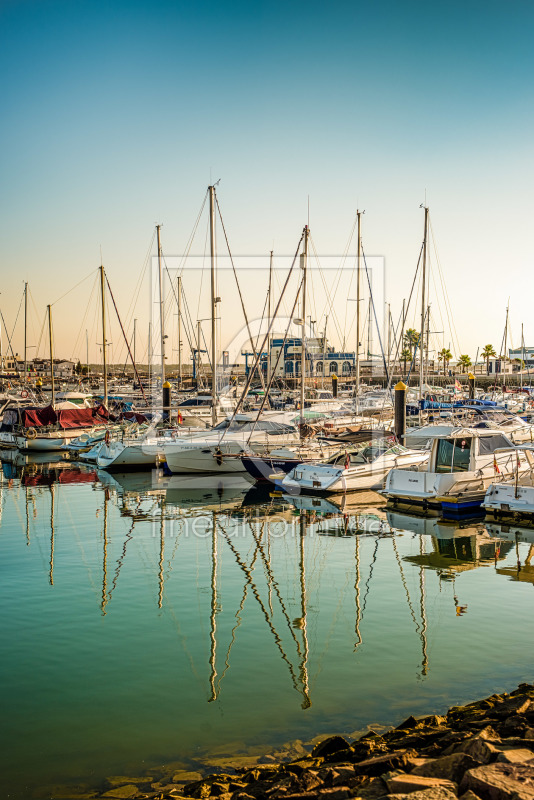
<point x="512" y="497"/>
<point x="362" y="467"/>
<point x="462" y="464"/>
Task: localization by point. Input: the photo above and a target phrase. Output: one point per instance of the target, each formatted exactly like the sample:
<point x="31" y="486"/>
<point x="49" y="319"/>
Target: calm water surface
<point x="147" y="620"/>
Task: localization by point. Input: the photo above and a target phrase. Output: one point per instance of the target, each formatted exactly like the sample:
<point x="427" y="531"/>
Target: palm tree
<point x="487" y="353"/>
<point x="411" y="339"/>
<point x="405" y="356"/>
<point x="445" y="355"/>
<point x="464" y="361"/>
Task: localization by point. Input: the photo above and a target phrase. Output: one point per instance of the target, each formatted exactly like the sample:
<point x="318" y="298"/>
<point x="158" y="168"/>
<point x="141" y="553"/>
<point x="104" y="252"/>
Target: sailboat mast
<point x="522" y="355"/>
<point x="104" y="355"/>
<point x="179" y="298"/>
<point x="161" y="320"/>
<point x="25" y="330"/>
<point x="303" y="264"/>
<point x="358" y="299"/>
<point x="423" y="308"/>
<point x="269" y="318"/>
<point x="505" y="339"/>
<point x="51" y="344"/>
<point x="134" y="340"/>
<point x="213" y="309"/>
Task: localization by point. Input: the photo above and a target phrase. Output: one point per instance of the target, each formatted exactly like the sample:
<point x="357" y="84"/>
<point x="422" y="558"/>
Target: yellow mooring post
<point x="400" y="411"/>
<point x="167" y="401"/>
<point x="471" y="378"/>
<point x="334" y="385"/>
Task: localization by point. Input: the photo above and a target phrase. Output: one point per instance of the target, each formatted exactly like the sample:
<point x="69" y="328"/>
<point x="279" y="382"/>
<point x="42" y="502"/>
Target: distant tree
<point x="406" y="356"/>
<point x="465" y="362"/>
<point x="487" y="353"/>
<point x="411" y="339"/>
<point x="78" y="369"/>
<point x="445" y="355"/>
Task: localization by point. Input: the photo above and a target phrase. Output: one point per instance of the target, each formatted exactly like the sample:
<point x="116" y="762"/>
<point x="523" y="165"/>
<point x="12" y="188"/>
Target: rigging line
<point x="185" y="321"/>
<point x="239" y="290"/>
<point x="256" y="594"/>
<point x="404" y="316"/>
<point x="10" y="345"/>
<point x="267" y="334"/>
<point x="17" y="317"/>
<point x="273" y="371"/>
<point x="330" y="299"/>
<point x="448" y="307"/>
<point x="127" y="345"/>
<point x="376" y="318"/>
<point x="202" y="270"/>
<point x="75" y="346"/>
<point x="73" y="288"/>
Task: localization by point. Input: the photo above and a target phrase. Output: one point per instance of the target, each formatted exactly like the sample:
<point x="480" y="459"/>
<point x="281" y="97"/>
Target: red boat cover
<point x="65" y="417"/>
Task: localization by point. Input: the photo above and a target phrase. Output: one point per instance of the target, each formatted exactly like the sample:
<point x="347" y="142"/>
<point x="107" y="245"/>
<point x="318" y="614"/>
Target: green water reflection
<point x="148" y="619"/>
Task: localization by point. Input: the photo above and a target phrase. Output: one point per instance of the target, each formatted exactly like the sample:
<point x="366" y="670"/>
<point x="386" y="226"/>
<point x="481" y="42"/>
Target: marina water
<point x="150" y="620"/>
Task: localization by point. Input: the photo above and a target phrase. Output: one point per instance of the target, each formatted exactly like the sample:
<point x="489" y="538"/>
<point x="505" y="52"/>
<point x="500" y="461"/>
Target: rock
<point x="501" y="781"/>
<point x="122" y="792"/>
<point x="417" y="761"/>
<point x="267" y="759"/>
<point x="409" y="723"/>
<point x="122" y="780"/>
<point x="436" y="793"/>
<point x="451" y="767"/>
<point x="184" y="776"/>
<point x="515" y="756"/>
<point x="469" y="795"/>
<point x="432" y="721"/>
<point x="482" y="747"/>
<point x="405" y="784"/>
<point x="516" y="705"/>
<point x="385" y="763"/>
<point x="329" y="746"/>
<point x="529" y="733"/>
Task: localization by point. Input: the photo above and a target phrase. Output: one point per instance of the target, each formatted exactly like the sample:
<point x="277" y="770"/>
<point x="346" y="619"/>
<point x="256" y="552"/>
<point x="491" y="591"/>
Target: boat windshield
<point x="453" y="455"/>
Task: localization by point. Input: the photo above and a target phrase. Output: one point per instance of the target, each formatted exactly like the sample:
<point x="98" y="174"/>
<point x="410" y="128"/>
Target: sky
<point x="118" y="115"/>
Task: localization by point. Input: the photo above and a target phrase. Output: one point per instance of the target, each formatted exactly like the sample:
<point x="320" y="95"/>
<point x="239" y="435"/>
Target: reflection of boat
<point x="464" y="549"/>
<point x="205" y="491"/>
<point x="342" y="505"/>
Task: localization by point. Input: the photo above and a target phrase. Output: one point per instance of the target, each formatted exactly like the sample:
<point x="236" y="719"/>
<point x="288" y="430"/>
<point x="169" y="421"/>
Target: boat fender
<point x="107" y="438"/>
<point x="218" y="457"/>
<point x="31" y="433"/>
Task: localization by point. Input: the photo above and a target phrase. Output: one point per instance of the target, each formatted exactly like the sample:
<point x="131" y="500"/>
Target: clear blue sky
<point x="116" y="115"/>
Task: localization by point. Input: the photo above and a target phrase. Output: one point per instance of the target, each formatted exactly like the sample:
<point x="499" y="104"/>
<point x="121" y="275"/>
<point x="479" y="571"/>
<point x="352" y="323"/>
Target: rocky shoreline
<point x="481" y="751"/>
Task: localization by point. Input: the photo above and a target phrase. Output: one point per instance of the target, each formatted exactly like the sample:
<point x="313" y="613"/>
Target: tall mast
<point x="104" y="356"/>
<point x="522" y="355"/>
<point x="269" y="318"/>
<point x="423" y="307"/>
<point x="134" y="340"/>
<point x="161" y="311"/>
<point x="179" y="291"/>
<point x="25" y="330"/>
<point x="213" y="309"/>
<point x="505" y="338"/>
<point x="303" y="264"/>
<point x="358" y="298"/>
<point x="87" y="351"/>
<point x="51" y="344"/>
<point x="324" y="349"/>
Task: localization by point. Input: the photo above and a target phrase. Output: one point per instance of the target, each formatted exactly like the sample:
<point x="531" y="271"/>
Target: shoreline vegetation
<point x="480" y="751"/>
